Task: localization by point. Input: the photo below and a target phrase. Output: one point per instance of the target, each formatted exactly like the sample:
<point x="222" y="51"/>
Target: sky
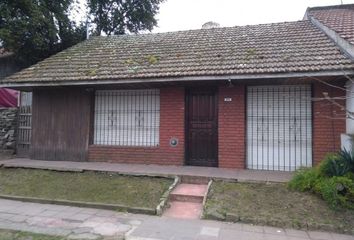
<point x="177" y="15"/>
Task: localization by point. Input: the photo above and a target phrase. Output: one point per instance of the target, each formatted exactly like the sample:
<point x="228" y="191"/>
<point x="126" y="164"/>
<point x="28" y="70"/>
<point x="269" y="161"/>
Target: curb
<point x="165" y="197"/>
<point x="114" y="207"/>
<point x="206" y="197"/>
<point x="59" y="169"/>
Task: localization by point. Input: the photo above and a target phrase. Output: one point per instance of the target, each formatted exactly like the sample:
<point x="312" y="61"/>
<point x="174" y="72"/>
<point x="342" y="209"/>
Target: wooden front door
<point x="202" y="128"/>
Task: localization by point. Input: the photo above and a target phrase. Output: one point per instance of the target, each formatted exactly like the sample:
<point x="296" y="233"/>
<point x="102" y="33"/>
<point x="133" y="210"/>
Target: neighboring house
<point x="8" y="104"/>
<point x="338" y="23"/>
<point x="8" y="97"/>
<point x="237" y="97"/>
<point x="15" y="110"/>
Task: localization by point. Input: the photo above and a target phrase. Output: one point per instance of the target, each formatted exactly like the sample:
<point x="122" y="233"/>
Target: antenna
<point x="87" y="29"/>
<point x="87" y="23"/>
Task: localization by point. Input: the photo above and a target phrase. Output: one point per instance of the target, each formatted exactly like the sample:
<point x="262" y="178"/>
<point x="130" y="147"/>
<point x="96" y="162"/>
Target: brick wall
<point x="232" y="127"/>
<point x="171" y="125"/>
<point x="327" y="125"/>
<point x="231" y="131"/>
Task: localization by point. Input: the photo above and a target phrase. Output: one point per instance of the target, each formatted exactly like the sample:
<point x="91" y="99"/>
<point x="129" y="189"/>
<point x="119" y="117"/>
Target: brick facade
<point x="231" y="130"/>
<point x="328" y="122"/>
<point x="232" y="127"/>
<point x="171" y="125"/>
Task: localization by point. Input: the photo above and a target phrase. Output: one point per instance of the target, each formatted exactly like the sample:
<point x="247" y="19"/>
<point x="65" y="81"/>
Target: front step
<point x="184" y="210"/>
<point x="195" y="180"/>
<point x="186" y="201"/>
<point x="189" y="193"/>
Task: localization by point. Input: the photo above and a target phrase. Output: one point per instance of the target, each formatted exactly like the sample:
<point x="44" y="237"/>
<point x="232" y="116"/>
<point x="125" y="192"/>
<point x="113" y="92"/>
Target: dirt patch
<point x="275" y="205"/>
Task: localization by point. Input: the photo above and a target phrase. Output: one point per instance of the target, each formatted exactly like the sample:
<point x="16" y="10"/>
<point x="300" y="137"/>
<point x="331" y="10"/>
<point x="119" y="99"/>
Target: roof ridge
<point x="201" y="29"/>
<point x="328" y="7"/>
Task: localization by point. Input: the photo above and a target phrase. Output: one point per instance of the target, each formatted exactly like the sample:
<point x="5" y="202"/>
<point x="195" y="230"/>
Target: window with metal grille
<point x="127" y="117"/>
<point x="279" y="127"/>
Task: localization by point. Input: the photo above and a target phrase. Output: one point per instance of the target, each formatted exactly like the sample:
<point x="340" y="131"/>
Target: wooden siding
<point x="61" y="123"/>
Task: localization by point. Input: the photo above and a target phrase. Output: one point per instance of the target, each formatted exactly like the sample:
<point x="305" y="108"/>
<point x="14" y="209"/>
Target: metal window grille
<point x="279" y="127"/>
<point x="127" y="117"/>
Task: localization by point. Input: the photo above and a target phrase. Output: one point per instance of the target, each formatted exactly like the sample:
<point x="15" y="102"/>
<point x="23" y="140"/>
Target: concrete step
<point x="186" y="201"/>
<point x="195" y="180"/>
<point x="189" y="193"/>
<point x="184" y="210"/>
<point x="186" y="198"/>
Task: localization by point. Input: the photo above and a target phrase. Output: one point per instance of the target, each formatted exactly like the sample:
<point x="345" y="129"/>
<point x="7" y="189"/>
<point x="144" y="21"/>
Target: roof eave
<point x="349" y="72"/>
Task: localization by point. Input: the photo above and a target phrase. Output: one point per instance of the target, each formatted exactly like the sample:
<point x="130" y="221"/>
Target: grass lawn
<point x="17" y="235"/>
<point x="94" y="187"/>
<point x="275" y="205"/>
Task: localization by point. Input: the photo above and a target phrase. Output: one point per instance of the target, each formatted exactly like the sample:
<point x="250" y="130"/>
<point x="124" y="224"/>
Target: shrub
<point x="348" y="158"/>
<point x="304" y="179"/>
<point x="336" y="191"/>
<point x="334" y="165"/>
<point x="332" y="179"/>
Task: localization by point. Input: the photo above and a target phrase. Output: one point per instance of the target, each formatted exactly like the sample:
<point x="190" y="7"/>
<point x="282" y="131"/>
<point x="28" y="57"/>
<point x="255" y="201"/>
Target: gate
<point x="279" y="127"/>
<point x="24" y="124"/>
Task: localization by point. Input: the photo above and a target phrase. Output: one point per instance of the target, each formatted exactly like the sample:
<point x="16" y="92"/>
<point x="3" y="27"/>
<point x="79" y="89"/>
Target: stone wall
<point x="8" y="123"/>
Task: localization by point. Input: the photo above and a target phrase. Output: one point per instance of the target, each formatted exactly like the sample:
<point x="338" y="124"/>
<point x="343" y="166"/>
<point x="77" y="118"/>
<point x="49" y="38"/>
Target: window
<point x="127" y="117"/>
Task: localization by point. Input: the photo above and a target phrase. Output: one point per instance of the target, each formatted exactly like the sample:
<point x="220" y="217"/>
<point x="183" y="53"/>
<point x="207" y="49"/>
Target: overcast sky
<point x="191" y="14"/>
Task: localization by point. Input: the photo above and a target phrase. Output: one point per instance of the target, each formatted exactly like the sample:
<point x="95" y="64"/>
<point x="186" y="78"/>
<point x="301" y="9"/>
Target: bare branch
<point x="328" y="84"/>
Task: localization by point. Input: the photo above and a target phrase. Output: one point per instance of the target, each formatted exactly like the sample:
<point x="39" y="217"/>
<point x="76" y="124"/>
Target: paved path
<point x="142" y="169"/>
<point x="86" y="223"/>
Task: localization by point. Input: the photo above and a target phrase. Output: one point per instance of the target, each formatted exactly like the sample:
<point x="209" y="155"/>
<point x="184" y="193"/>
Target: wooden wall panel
<point x="61" y="123"/>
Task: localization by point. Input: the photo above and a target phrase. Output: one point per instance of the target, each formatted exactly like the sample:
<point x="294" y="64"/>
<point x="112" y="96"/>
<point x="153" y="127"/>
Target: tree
<point x="122" y="16"/>
<point x="36" y="29"/>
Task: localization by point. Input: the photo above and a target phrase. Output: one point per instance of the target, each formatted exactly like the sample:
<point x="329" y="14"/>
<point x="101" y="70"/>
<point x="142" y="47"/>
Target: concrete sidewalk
<point x="154" y="170"/>
<point x="86" y="223"/>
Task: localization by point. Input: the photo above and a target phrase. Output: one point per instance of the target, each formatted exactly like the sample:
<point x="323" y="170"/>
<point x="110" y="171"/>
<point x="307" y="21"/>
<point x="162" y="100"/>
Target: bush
<point x="332" y="179"/>
<point x="334" y="165"/>
<point x="348" y="158"/>
<point x="336" y="191"/>
<point x="304" y="179"/>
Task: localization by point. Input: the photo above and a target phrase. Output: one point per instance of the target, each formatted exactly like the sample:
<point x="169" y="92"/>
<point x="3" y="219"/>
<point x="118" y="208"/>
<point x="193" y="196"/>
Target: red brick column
<point x="327" y="125"/>
<point x="232" y="127"/>
<point x="171" y="125"/>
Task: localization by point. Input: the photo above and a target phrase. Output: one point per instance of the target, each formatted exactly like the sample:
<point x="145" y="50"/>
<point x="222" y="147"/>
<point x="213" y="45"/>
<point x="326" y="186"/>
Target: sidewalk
<point x="85" y="223"/>
<point x="154" y="170"/>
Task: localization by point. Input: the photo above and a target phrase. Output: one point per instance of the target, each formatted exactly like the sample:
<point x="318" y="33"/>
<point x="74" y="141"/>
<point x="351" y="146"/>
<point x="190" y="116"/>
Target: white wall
<point x="350" y="107"/>
<point x="347" y="138"/>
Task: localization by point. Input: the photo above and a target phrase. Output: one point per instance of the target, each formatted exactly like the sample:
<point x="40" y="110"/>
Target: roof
<point x="339" y="18"/>
<point x="4" y="53"/>
<point x="257" y="49"/>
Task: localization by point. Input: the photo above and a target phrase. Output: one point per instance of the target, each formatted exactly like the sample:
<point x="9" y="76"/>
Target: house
<point x="338" y="23"/>
<point x="237" y="97"/>
<point x="8" y="97"/>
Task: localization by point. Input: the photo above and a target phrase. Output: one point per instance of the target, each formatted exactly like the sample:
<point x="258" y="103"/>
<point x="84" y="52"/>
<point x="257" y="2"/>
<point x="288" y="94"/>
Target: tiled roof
<point x="4" y="53"/>
<point x="258" y="49"/>
<point x="339" y="18"/>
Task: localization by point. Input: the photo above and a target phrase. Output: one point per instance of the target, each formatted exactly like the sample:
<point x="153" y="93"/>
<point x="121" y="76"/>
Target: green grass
<point x="17" y="235"/>
<point x="275" y="205"/>
<point x="96" y="187"/>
